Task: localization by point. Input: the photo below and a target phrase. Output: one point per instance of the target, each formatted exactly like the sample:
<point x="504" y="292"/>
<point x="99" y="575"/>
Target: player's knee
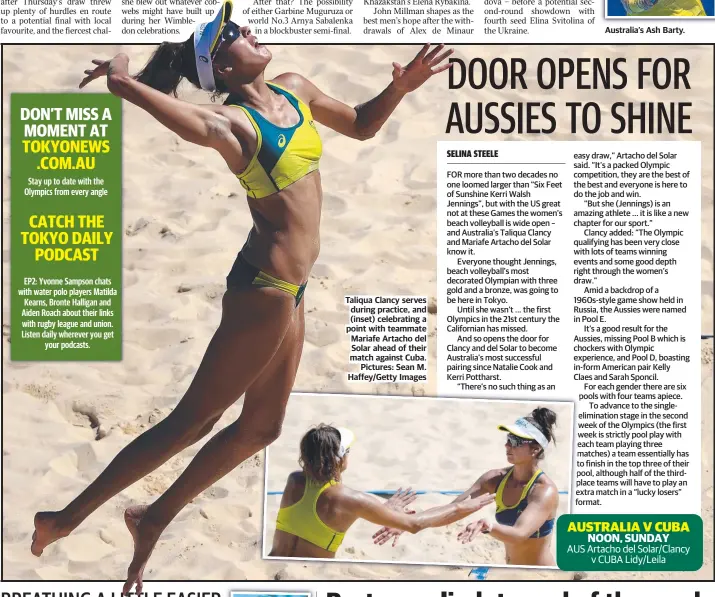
<point x="265" y="434"/>
<point x="208" y="425"/>
<point x="191" y="427"/>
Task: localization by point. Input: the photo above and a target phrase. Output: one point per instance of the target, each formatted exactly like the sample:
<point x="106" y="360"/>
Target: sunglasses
<point x="516" y="441"/>
<point x="229" y="34"/>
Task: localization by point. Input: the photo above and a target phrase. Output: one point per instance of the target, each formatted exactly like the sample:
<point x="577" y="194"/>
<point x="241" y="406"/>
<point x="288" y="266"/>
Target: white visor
<point x="206" y="36"/>
<point x="525" y="430"/>
<point x="347" y="438"/>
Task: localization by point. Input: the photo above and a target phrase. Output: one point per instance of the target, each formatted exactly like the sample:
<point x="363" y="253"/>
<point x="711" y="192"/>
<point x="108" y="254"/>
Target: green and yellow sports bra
<point x="301" y="519"/>
<point x="508" y="515"/>
<point x="283" y="155"/>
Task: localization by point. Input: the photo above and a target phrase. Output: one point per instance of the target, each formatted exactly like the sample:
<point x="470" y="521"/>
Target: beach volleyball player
<point x="526" y="498"/>
<point x="266" y="132"/>
<point x="317" y="509"/>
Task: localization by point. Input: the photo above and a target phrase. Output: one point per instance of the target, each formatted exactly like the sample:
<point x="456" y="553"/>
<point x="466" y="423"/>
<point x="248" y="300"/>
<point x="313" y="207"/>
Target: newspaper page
<point x="334" y="297"/>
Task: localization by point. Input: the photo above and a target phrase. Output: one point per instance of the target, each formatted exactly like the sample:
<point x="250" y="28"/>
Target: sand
<point x="185" y="218"/>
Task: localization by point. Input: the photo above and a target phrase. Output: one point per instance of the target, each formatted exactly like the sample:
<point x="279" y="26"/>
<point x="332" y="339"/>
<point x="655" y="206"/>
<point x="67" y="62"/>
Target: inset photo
<point x="418" y="480"/>
<point x="659" y="8"/>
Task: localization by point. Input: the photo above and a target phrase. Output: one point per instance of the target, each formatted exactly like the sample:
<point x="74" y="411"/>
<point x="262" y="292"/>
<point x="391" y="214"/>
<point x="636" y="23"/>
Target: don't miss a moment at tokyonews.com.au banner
<point x="66" y="230"/>
<point x="575" y="173"/>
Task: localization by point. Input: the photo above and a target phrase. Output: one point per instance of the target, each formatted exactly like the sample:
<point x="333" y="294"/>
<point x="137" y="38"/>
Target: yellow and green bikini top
<point x="283" y="154"/>
<point x="508" y="515"/>
<point x="302" y="520"/>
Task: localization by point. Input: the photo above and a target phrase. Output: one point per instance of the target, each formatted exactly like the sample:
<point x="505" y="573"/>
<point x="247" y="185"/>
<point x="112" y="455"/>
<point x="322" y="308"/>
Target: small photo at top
<point x="673" y="9"/>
